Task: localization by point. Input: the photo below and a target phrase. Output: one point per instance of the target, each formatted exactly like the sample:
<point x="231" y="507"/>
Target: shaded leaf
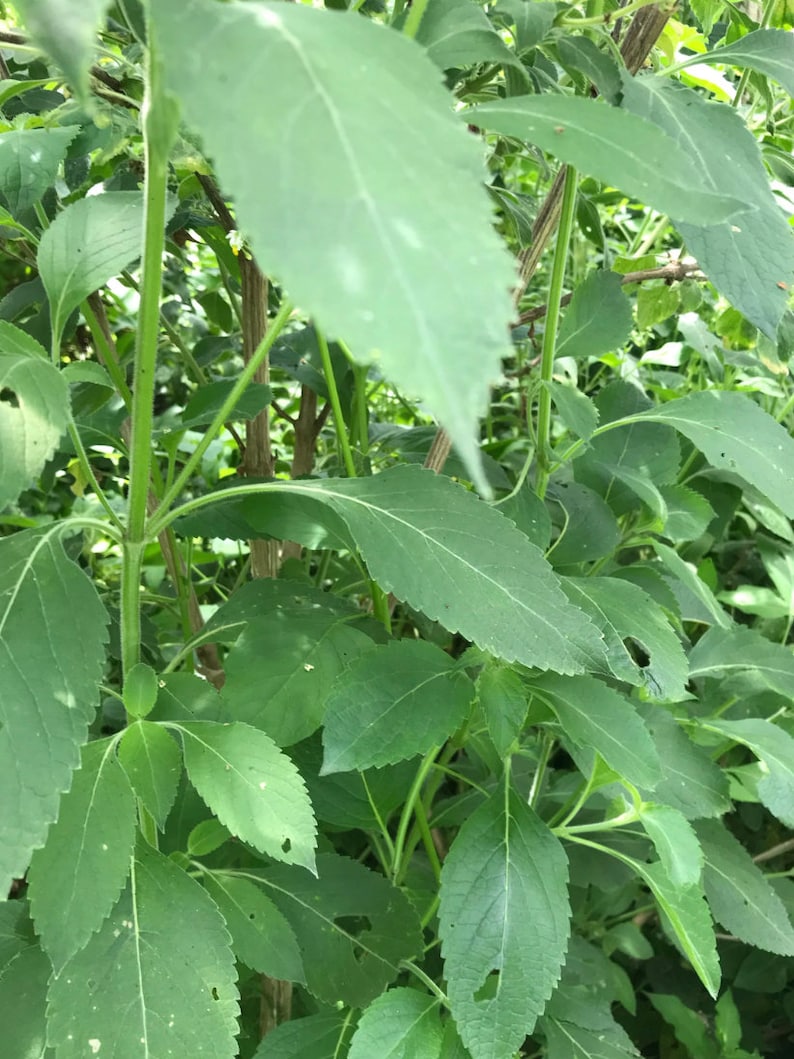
<point x="690" y="1029"/>
<point x="31" y="424"/>
<point x="150" y="981"/>
<point x="532" y="20"/>
<point x="749" y="255"/>
<point x="399" y="193"/>
<point x="24" y="973"/>
<point x="598" y="319"/>
<point x="312" y="1037"/>
<point x="576" y="409"/>
<point x="675" y="842"/>
<point x="458" y="33"/>
<point x="29" y="163"/>
<point x="399" y="1024"/>
<point x="503" y="923"/>
<point x="87" y="244"/>
<point x="77" y="877"/>
<point x="151" y="759"/>
<point x="353" y="927"/>
<point x="503" y="699"/>
<point x="721" y="652"/>
<point x="769" y="51"/>
<point x="252" y="787"/>
<point x="589" y="529"/>
<point x="613" y="146"/>
<point x="261" y="936"/>
<point x="740" y="896"/>
<point x="49" y="679"/>
<point x="595" y="716"/>
<point x="206" y="402"/>
<point x="280" y="670"/>
<point x="581" y="53"/>
<point x="393" y="703"/>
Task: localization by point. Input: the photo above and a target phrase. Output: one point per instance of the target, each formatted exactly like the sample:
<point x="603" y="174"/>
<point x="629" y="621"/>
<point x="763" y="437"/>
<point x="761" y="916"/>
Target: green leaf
<point x="90" y="846"/>
<point x="595" y="716"/>
<point x="31" y="424"/>
<point x="88" y="243"/>
<point x="589" y="529"/>
<point x="206" y="402"/>
<point x="566" y="1040"/>
<point x="140" y="690"/>
<point x="399" y="1024"/>
<point x="312" y="1037"/>
<point x="503" y="923"/>
<point x="392" y="703"/>
<point x="655" y="304"/>
<point x="150" y="981"/>
<point x="29" y="163"/>
<point x="775" y="748"/>
<point x="735" y="435"/>
<point x="66" y="31"/>
<point x="688" y="513"/>
<point x="693" y="585"/>
<point x="721" y="652"/>
<point x="598" y="319"/>
<point x="624" y="612"/>
<point x="24" y="973"/>
<point x="459" y="33"/>
<point x="49" y="676"/>
<point x="436" y="546"/>
<point x="399" y="193"/>
<point x="688" y="1025"/>
<point x="675" y="843"/>
<point x="503" y="699"/>
<point x="576" y="409"/>
<point x="740" y="896"/>
<point x="206" y="837"/>
<point x="532" y="19"/>
<point x="353" y="927"/>
<point x="691" y="782"/>
<point x="688" y="916"/>
<point x="261" y="936"/>
<point x="282" y="689"/>
<point x="769" y="51"/>
<point x="613" y="146"/>
<point x="581" y="53"/>
<point x="151" y="759"/>
<point x="748" y="256"/>
<point x="252" y="787"/>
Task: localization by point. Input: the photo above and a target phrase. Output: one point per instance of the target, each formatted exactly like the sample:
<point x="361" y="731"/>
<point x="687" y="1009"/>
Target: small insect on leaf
<point x="782" y="285"/>
<point x="559" y="128"/>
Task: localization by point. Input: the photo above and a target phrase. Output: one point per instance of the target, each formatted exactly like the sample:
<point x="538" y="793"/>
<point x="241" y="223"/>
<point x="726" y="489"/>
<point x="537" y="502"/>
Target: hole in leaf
<point x="286" y="846"/>
<point x="488" y="989"/>
<point x="353" y="925"/>
<point x="637" y="652"/>
<point x="215" y="994"/>
<point x="9" y="397"/>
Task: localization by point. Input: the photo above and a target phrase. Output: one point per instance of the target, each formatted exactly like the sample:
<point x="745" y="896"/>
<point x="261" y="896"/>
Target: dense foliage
<point x="397" y="557"/>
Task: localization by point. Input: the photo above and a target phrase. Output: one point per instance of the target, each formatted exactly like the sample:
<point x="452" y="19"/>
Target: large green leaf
<point x="353" y="927"/>
<point x="438" y="547"/>
<point x="775" y="748"/>
<point x="595" y="716"/>
<point x="77" y="877"/>
<point x="750" y="257"/>
<point x="392" y="703"/>
<point x="769" y="51"/>
<point x="399" y="1024"/>
<point x="252" y="787"/>
<point x="354" y="134"/>
<point x="29" y="162"/>
<point x="313" y="1037"/>
<point x="598" y="320"/>
<point x="735" y="435"/>
<point x="503" y="921"/>
<point x="261" y="936"/>
<point x="283" y="689"/>
<point x="458" y="33"/>
<point x="721" y="652"/>
<point x="158" y="978"/>
<point x="24" y="973"/>
<point x="32" y="423"/>
<point x="691" y="782"/>
<point x="614" y="146"/>
<point x="49" y="675"/>
<point x="623" y="612"/>
<point x="66" y="30"/>
<point x="740" y="896"/>
<point x="150" y="757"/>
<point x="87" y="244"/>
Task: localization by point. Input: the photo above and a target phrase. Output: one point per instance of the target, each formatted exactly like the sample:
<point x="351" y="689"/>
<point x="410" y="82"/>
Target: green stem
<point x="159" y="128"/>
<point x="428" y="761"/>
<point x="409" y="965"/>
<point x="88" y="471"/>
<point x="537" y="780"/>
<point x="597" y="20"/>
<point x="411" y="27"/>
<point x="552" y="323"/>
<point x="246" y="375"/>
<point x="336" y="407"/>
